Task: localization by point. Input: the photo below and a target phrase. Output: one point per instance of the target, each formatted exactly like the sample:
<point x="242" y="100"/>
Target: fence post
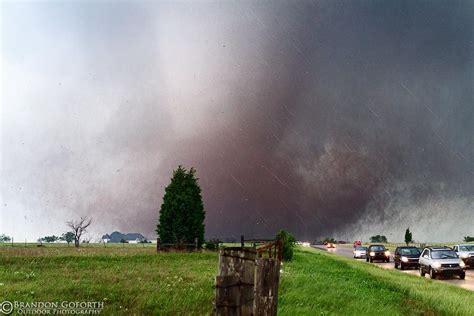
<point x="280" y="249"/>
<point x="235" y="282"/>
<point x="247" y="284"/>
<point x="267" y="276"/>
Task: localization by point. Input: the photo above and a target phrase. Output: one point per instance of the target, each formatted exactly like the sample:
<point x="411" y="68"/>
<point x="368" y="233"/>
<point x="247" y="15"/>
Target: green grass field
<point x="320" y="283"/>
<point x="135" y="280"/>
<point x="129" y="279"/>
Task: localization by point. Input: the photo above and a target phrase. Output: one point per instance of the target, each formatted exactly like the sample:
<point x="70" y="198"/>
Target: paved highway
<point x="468" y="283"/>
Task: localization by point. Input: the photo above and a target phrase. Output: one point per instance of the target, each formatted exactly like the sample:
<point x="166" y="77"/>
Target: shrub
<point x="212" y="244"/>
<point x="288" y="241"/>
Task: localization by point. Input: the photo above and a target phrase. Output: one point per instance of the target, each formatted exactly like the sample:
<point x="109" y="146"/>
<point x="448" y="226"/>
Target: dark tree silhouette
<point x="182" y="211"/>
<point x="408" y="236"/>
<point x="378" y="238"/>
<point x="79" y="228"/>
<point x="68" y="237"/>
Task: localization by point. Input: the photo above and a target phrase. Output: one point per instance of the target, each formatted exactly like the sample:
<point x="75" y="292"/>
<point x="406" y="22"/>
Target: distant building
<point x="117" y="237"/>
<point x="106" y="238"/>
<point x="136" y="241"/>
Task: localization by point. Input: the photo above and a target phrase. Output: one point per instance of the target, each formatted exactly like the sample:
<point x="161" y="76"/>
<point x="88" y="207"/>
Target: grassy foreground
<point x="134" y="280"/>
<point x="319" y="283"/>
<point x="131" y="280"/>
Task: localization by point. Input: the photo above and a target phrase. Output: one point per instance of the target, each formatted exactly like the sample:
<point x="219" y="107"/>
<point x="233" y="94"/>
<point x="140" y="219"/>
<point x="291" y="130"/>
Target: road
<point x="467" y="284"/>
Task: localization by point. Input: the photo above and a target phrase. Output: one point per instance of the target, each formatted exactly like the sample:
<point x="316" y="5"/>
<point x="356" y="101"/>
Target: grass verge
<point x="319" y="283"/>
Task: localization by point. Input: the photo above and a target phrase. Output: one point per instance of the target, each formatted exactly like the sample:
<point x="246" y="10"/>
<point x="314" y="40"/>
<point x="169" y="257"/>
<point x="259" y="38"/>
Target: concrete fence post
<point x="235" y="282"/>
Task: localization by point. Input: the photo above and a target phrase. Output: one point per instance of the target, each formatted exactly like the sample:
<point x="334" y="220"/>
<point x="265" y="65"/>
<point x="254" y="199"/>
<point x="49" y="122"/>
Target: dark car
<point x="378" y="252"/>
<point x="405" y="257"/>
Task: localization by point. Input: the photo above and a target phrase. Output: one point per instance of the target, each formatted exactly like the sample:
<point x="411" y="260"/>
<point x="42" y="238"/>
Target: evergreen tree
<point x="182" y="211"/>
<point x="408" y="236"/>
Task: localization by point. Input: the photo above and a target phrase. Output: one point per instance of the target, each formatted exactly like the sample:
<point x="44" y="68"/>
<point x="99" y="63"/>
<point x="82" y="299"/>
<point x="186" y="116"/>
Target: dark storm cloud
<point x="345" y="118"/>
<point x="373" y="97"/>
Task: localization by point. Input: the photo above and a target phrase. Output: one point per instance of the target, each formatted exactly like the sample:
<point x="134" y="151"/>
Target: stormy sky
<point x="328" y="118"/>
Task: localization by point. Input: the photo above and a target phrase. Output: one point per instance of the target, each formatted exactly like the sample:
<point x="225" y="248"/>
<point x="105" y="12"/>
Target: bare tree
<point x="78" y="228"/>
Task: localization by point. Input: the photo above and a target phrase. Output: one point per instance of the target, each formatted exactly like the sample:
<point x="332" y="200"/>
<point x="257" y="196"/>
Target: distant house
<point x="136" y="241"/>
<point x="117" y="237"/>
<point x="106" y="238"/>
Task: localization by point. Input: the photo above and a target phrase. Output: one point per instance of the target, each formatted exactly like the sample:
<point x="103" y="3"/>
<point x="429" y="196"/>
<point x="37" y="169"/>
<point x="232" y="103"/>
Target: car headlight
<point x="436" y="265"/>
<point x="372" y="253"/>
<point x="404" y="259"/>
<point x="387" y="253"/>
<point x="462" y="264"/>
<point x="464" y="255"/>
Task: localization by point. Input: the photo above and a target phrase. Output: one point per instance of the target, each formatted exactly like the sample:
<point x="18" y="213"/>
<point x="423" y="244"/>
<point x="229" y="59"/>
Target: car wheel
<point x="422" y="273"/>
<point x="462" y="276"/>
<point x="401" y="266"/>
<point x="432" y="274"/>
<point x="395" y="265"/>
<point x="367" y="259"/>
<point x="371" y="260"/>
<point x="388" y="260"/>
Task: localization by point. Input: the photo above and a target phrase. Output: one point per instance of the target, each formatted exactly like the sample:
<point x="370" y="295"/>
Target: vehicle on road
<point x="405" y="257"/>
<point x="377" y="252"/>
<point x="441" y="261"/>
<point x="360" y="252"/>
<point x="330" y="245"/>
<point x="466" y="253"/>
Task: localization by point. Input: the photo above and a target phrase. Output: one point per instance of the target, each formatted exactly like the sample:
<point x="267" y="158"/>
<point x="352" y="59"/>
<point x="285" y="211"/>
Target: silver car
<point x="360" y="252"/>
<point x="466" y="253"/>
<point x="441" y="261"/>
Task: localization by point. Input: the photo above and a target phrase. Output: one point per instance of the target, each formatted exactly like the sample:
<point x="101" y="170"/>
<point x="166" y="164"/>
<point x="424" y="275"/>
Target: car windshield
<point x="409" y="251"/>
<point x="443" y="254"/>
<point x="377" y="248"/>
<point x="361" y="248"/>
<point x="467" y="248"/>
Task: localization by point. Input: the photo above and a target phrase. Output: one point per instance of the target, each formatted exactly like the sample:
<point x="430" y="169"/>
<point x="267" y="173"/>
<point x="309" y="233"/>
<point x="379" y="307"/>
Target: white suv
<point x="466" y="253"/>
<point x="441" y="261"/>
